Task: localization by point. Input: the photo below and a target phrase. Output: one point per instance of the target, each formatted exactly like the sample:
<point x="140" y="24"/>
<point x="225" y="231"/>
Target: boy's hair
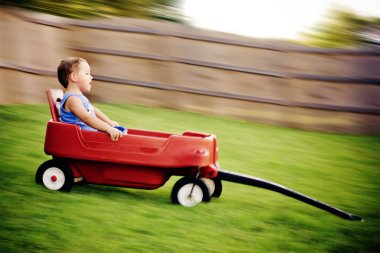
<point x="66" y="67"/>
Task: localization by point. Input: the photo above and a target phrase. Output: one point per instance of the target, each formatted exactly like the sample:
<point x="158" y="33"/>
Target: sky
<point x="278" y="19"/>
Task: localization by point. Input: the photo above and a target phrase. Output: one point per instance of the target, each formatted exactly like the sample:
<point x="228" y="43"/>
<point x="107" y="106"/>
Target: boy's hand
<point x="114" y="133"/>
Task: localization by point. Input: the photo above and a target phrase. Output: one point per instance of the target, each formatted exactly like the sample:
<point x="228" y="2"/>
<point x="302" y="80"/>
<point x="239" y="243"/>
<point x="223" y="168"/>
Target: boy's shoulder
<point x="70" y="95"/>
<point x="75" y="99"/>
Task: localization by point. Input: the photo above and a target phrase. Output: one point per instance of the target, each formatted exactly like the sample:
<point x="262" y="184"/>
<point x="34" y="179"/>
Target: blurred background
<point x="310" y="65"/>
<point x="307" y="65"/>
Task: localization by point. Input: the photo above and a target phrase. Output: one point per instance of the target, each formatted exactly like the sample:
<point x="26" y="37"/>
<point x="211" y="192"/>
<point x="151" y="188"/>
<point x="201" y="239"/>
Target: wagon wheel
<point x="218" y="187"/>
<point x="55" y="175"/>
<point x="189" y="191"/>
<point x="210" y="185"/>
<point x="214" y="186"/>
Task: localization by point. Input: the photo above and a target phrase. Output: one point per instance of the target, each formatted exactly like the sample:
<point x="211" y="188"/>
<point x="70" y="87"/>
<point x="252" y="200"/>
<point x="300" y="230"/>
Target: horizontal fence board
<point x="175" y="66"/>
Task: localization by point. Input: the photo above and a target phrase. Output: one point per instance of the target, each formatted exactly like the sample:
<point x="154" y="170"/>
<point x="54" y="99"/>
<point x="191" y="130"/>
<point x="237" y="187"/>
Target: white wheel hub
<point x="210" y="185"/>
<point x="184" y="197"/>
<point x="53" y="178"/>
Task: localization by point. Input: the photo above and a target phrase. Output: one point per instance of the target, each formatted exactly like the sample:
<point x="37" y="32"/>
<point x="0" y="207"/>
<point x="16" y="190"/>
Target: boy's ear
<point x="73" y="77"/>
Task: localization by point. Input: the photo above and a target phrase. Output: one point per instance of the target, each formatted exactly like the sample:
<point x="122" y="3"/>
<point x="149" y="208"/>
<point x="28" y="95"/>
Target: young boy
<point x="74" y="75"/>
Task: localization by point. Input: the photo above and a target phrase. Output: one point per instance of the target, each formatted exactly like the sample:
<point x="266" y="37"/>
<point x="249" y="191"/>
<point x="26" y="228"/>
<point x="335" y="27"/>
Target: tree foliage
<point x="83" y="9"/>
<point x="341" y="29"/>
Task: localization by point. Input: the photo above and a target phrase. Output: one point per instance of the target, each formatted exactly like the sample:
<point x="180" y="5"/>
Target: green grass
<point x="341" y="170"/>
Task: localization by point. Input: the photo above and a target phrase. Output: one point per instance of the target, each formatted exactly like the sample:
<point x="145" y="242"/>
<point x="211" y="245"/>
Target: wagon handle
<point x="262" y="183"/>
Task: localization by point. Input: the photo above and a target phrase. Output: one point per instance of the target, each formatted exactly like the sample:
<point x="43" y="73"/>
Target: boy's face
<point x="84" y="77"/>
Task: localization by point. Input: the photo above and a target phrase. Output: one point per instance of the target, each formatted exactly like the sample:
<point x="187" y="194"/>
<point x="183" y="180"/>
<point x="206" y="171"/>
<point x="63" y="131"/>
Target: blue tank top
<point x="70" y="117"/>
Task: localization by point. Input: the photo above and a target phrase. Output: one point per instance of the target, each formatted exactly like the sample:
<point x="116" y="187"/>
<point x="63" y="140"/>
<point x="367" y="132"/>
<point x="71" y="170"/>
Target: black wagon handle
<point x="262" y="183"/>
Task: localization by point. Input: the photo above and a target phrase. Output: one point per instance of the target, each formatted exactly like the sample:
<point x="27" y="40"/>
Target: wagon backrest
<point x="54" y="98"/>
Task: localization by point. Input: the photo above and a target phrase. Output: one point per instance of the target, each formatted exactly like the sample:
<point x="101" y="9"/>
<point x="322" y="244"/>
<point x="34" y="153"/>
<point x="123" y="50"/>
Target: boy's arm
<point x="104" y="117"/>
<point x="75" y="105"/>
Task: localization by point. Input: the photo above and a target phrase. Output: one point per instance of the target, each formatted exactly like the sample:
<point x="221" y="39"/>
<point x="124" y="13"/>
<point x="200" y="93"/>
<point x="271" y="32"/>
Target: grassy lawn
<point x="341" y="170"/>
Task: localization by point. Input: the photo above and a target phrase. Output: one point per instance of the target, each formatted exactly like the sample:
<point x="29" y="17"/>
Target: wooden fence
<point x="169" y="65"/>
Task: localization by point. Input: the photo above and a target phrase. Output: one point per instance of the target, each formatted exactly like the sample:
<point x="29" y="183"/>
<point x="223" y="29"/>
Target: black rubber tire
<point x="61" y="165"/>
<point x="218" y="187"/>
<point x="189" y="180"/>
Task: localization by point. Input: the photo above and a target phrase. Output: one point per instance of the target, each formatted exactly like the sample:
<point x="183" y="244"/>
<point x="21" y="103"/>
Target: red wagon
<point x="141" y="159"/>
<point x="144" y="159"/>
